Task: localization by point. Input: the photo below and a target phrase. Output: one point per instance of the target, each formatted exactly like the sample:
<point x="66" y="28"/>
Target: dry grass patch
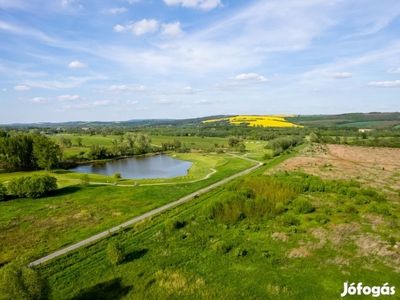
<point x="375" y="167"/>
<point x="299" y="252"/>
<point x="279" y="236"/>
<point x="176" y="282"/>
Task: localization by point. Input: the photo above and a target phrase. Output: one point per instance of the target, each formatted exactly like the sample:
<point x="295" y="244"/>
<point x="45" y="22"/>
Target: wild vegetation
<point x="282" y="236"/>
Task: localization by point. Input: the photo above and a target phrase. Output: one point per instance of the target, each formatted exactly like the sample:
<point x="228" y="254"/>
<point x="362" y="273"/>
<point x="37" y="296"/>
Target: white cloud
<point x="188" y="90"/>
<point x="127" y="88"/>
<point x="132" y="1"/>
<point x="342" y="75"/>
<point x="4" y="90"/>
<point x="116" y="10"/>
<point x="251" y="77"/>
<point x="385" y="84"/>
<point x="394" y="71"/>
<point x="88" y="105"/>
<point x="21" y="88"/>
<point x="143" y="26"/>
<point x="119" y="28"/>
<point x="39" y="100"/>
<point x="77" y="65"/>
<point x="68" y="97"/>
<point x="172" y="29"/>
<point x="200" y="4"/>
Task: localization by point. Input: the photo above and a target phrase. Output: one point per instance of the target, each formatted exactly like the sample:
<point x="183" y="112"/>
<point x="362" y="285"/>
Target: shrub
<point x="33" y="187"/>
<point x="350" y="209"/>
<point x="221" y="247"/>
<point x="2" y="192"/>
<point x="290" y="219"/>
<point x="17" y="281"/>
<point x="115" y="252"/>
<point x="84" y="179"/>
<point x="303" y="206"/>
<point x="117" y="175"/>
<point x="174" y="224"/>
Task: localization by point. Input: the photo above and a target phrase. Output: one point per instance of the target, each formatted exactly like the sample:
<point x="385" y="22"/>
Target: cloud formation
<point x="88" y="105"/>
<point x="142" y="27"/>
<point x="199" y="4"/>
<point x="39" y="100"/>
<point x="251" y="77"/>
<point x="394" y="71"/>
<point x="68" y="97"/>
<point x="172" y="29"/>
<point x="77" y="65"/>
<point x="127" y="88"/>
<point x="385" y="84"/>
<point x="21" y="88"/>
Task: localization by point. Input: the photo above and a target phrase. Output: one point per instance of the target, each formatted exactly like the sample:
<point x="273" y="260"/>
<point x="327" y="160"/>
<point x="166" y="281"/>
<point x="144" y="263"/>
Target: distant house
<point x="364" y="130"/>
<point x="85" y="128"/>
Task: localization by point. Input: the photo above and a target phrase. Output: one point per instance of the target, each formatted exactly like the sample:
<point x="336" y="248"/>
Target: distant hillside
<point x="358" y="120"/>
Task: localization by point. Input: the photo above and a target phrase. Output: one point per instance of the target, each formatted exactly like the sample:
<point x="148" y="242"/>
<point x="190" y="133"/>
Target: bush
<point x="221" y="247"/>
<point x="117" y="176"/>
<point x="303" y="206"/>
<point x="290" y="219"/>
<point x="115" y="252"/>
<point x="85" y="181"/>
<point x="174" y="224"/>
<point x="32" y="187"/>
<point x="2" y="192"/>
<point x="17" y="281"/>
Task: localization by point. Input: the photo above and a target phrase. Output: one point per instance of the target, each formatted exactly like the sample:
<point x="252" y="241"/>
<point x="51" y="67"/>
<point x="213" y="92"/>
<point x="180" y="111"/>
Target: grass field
<point x="309" y="257"/>
<point x="39" y="226"/>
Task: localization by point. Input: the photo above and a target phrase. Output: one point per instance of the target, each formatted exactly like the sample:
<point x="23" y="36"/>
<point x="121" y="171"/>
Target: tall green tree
<point x="46" y="152"/>
<point x="18" y="281"/>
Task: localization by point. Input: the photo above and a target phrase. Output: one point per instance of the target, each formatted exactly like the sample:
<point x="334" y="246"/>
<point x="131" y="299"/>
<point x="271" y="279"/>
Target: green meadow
<point x="282" y="236"/>
<point x="37" y="227"/>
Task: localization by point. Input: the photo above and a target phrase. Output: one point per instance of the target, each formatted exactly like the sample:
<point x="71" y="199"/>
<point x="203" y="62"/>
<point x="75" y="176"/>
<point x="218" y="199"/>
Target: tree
<point x="79" y="141"/>
<point x="115" y="252"/>
<point x="85" y="181"/>
<point x="2" y="192"/>
<point x="46" y="152"/>
<point x="18" y="281"/>
<point x="117" y="176"/>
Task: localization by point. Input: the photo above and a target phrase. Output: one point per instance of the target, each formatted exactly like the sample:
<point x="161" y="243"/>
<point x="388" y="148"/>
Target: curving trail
<point x="148" y="214"/>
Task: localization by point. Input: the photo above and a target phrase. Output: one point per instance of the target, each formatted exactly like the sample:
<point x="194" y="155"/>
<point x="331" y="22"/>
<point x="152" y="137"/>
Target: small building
<point x="364" y="130"/>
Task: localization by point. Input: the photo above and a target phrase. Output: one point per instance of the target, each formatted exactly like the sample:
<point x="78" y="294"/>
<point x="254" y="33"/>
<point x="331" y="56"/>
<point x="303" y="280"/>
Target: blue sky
<point x="67" y="60"/>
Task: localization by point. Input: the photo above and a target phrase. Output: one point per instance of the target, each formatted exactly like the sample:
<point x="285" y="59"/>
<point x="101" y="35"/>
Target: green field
<point x="37" y="227"/>
<point x="290" y="252"/>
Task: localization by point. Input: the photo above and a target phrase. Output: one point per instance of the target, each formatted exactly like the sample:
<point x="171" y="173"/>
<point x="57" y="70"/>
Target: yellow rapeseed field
<point x="264" y="121"/>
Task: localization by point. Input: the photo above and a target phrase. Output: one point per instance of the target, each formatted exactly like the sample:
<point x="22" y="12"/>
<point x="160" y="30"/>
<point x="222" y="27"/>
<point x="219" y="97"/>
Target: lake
<point x="157" y="166"/>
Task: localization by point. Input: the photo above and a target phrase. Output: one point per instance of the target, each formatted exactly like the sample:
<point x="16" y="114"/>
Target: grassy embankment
<point x="260" y="237"/>
<point x="37" y="227"/>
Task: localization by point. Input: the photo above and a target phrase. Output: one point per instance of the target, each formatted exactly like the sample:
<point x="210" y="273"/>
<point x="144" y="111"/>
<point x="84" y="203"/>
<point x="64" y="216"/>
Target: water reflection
<point x="158" y="166"/>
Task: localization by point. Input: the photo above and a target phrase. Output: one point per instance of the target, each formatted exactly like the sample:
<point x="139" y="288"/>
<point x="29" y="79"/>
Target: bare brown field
<point x="375" y="167"/>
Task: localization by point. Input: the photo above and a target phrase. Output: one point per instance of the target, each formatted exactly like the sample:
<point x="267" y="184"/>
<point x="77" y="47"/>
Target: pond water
<point x="158" y="166"/>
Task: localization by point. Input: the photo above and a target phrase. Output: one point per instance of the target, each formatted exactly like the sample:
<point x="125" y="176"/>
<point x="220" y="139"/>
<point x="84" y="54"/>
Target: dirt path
<point x="146" y="215"/>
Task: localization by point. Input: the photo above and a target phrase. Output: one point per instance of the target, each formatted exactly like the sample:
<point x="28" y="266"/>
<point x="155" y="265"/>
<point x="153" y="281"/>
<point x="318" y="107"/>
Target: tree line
<point x="26" y="152"/>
